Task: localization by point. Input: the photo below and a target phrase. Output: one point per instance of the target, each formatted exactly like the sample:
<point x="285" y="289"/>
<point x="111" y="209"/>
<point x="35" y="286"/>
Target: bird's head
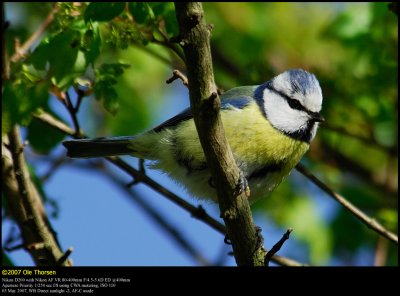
<point x="292" y="102"/>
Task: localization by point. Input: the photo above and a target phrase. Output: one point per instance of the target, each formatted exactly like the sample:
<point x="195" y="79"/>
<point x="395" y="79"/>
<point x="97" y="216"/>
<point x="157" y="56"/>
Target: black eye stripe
<point x="293" y="103"/>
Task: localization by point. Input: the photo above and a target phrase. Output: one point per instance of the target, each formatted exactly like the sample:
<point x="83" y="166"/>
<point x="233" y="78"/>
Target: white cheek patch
<point x="281" y="116"/>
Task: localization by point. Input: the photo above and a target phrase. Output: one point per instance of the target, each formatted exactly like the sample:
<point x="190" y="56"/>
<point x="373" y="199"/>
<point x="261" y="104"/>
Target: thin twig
<point x="11" y="237"/>
<point x="65" y="256"/>
<point x="35" y="36"/>
<point x="196" y="212"/>
<point x="13" y="248"/>
<point x="170" y="46"/>
<point x="55" y="123"/>
<point x="370" y="222"/>
<point x="167" y="43"/>
<point x="80" y="95"/>
<point x="73" y="112"/>
<point x="176" y="74"/>
<point x="277" y="247"/>
<point x="55" y="164"/>
<point x="162" y="221"/>
<point x="142" y="167"/>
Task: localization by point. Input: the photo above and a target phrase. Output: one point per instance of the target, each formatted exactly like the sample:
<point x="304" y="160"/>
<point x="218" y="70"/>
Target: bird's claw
<point x="260" y="239"/>
<point x="243" y="185"/>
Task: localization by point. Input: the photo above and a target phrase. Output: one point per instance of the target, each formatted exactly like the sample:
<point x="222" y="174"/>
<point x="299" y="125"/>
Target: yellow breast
<point x="252" y="139"/>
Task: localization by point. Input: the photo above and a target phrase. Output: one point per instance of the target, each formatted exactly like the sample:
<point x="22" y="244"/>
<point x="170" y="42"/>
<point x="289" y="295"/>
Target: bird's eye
<point x="295" y="104"/>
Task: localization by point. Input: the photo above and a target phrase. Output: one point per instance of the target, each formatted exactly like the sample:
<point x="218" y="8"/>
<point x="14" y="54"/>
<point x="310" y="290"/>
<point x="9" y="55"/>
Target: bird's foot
<point x="260" y="239"/>
<point x="243" y="185"/>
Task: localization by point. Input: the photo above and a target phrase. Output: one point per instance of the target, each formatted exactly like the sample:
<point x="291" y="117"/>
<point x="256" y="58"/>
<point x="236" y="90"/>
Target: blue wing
<point x="173" y="121"/>
<point x="226" y="103"/>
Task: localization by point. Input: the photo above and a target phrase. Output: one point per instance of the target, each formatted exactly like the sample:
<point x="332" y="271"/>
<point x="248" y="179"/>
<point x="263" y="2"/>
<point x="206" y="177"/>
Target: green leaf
<point x="171" y="25"/>
<point x="115" y="69"/>
<point x="166" y="11"/>
<point x="62" y="68"/>
<point x="389" y="217"/>
<point x="40" y="55"/>
<point x="68" y="42"/>
<point x="9" y="105"/>
<point x="159" y="8"/>
<point x="104" y="86"/>
<point x="91" y="43"/>
<point x="123" y="34"/>
<point x="77" y="69"/>
<point x="110" y="102"/>
<point x="141" y="12"/>
<point x="19" y="101"/>
<point x="105" y="91"/>
<point x="36" y="129"/>
<point x="103" y="11"/>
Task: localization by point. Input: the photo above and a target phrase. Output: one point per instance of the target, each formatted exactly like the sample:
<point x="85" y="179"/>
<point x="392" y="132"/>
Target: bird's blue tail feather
<point x="98" y="147"/>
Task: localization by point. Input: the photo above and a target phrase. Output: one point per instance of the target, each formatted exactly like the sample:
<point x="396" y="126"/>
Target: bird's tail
<point x="99" y="147"/>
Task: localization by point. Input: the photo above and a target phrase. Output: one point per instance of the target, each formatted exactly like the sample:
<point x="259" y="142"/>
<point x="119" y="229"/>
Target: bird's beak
<point x="317" y="117"/>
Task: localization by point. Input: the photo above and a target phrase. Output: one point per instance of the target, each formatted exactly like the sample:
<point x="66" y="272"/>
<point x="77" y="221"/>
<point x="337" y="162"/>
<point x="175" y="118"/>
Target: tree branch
<point x="73" y="111"/>
<point x="277" y="247"/>
<point x="35" y="36"/>
<point x="23" y="199"/>
<point x="205" y="105"/>
<point x="196" y="212"/>
<point x="167" y="43"/>
<point x="26" y="205"/>
<point x="170" y="229"/>
<point x="360" y="215"/>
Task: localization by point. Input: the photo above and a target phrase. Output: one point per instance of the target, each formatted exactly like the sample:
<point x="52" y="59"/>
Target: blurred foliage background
<point x="120" y="55"/>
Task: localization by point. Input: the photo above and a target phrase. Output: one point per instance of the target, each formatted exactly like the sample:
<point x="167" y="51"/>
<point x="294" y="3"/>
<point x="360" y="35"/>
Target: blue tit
<point x="269" y="127"/>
